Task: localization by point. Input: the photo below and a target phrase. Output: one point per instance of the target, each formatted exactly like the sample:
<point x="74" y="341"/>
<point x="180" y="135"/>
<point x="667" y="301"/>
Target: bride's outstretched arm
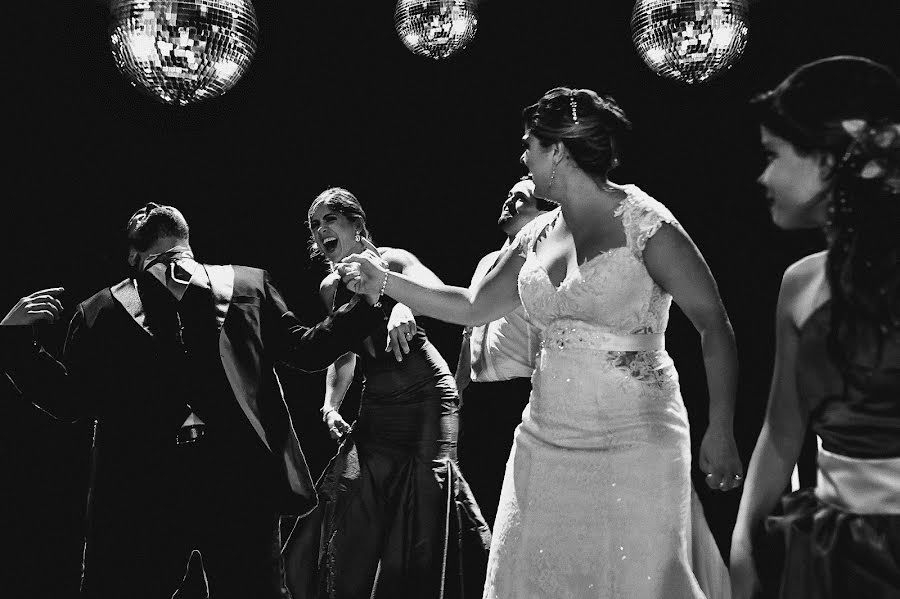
<point x="496" y="295"/>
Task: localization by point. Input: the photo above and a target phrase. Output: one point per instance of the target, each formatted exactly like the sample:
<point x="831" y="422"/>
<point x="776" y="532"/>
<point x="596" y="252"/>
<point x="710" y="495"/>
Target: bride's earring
<point x="552" y="176"/>
<point x="357" y="237"/>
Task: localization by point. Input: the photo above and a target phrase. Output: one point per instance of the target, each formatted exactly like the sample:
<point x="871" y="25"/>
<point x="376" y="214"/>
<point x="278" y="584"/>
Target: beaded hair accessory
<point x="874" y="153"/>
<point x="574" y="105"/>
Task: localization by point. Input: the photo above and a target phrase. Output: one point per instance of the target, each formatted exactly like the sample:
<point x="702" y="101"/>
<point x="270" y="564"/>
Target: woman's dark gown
<point x="395" y="516"/>
<point x="831" y="552"/>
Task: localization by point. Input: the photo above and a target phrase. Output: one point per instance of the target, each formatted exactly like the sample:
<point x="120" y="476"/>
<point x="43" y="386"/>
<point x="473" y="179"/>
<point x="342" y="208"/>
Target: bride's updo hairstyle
<point x="589" y="125"/>
<point x="846" y="109"/>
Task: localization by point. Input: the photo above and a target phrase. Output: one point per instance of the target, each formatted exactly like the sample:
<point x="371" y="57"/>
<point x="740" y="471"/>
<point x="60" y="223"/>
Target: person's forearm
<point x="338" y="379"/>
<point x="721" y="362"/>
<point x="444" y="302"/>
<point x="769" y="473"/>
<point x="312" y="349"/>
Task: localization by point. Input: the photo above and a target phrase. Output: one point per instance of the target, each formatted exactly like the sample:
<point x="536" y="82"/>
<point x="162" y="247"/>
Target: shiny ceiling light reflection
<point x="182" y="52"/>
<point x="436" y="28"/>
<point x="690" y="40"/>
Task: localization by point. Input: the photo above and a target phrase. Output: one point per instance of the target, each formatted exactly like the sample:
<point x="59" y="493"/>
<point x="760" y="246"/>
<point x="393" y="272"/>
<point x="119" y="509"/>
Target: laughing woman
<point x="395" y="513"/>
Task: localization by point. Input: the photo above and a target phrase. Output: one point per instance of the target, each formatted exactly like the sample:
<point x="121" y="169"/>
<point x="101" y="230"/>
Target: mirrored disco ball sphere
<point x="436" y="28"/>
<point x="183" y="52"/>
<point x="690" y="40"/>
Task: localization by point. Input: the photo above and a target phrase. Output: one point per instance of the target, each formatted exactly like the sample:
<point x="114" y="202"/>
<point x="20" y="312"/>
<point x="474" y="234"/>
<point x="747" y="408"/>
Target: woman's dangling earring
<point x="552" y="176"/>
<point x="357" y="237"/>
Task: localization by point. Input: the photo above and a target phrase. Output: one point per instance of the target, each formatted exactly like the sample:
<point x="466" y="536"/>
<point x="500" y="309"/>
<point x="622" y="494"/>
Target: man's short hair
<point x="152" y="222"/>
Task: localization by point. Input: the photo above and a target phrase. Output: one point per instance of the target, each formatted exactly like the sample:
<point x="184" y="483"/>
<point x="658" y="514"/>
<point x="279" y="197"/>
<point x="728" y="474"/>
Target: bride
<point x="597" y="499"/>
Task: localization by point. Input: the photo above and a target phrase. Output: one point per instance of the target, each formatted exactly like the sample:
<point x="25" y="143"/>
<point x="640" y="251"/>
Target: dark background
<point x="430" y="148"/>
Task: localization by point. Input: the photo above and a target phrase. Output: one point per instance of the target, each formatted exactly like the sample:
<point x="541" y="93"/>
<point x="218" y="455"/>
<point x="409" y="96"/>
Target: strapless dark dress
<point x="395" y="517"/>
<point x="831" y="551"/>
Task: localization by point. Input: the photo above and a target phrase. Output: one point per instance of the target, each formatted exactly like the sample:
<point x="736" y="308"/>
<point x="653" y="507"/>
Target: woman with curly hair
<point x="832" y="134"/>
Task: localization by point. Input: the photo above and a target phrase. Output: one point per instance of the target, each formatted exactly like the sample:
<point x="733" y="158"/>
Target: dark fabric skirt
<point x="832" y="554"/>
<point x="395" y="516"/>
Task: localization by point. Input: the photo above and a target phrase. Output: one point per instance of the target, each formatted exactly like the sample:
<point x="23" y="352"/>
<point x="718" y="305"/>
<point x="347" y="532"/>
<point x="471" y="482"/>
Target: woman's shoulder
<point x="529" y="234"/>
<point x="806" y="267"/>
<point x="804" y="287"/>
<point x="328" y="287"/>
<point x="640" y="205"/>
<point x="642" y="216"/>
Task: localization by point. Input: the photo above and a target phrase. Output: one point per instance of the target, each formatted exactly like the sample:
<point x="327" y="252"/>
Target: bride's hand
<point x="363" y="273"/>
<point x="720" y="461"/>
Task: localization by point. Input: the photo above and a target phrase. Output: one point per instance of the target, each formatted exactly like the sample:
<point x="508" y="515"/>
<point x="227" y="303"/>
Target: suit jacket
<point x="110" y="357"/>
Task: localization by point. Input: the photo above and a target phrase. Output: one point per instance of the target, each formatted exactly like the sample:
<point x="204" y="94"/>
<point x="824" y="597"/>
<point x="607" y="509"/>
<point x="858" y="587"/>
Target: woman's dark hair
<point x="339" y="200"/>
<point x="590" y="126"/>
<point x="821" y="108"/>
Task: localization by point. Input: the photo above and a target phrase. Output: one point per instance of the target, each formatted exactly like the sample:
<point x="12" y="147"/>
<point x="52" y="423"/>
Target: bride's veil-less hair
<point x="847" y="110"/>
<point x="591" y="126"/>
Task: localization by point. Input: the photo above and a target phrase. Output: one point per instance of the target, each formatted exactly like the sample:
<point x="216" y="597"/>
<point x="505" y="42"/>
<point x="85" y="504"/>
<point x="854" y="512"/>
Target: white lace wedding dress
<point x="597" y="499"/>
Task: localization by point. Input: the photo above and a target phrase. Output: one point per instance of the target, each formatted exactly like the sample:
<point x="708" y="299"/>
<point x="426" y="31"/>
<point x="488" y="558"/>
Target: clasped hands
<point x="363" y="274"/>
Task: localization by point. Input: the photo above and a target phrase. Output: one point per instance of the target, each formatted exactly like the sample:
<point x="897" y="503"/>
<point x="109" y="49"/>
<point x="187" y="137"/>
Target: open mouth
<point x="330" y="244"/>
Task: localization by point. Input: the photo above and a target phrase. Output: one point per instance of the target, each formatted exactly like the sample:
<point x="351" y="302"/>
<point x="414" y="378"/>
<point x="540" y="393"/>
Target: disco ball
<point x="182" y="52"/>
<point x="689" y="40"/>
<point x="436" y="28"/>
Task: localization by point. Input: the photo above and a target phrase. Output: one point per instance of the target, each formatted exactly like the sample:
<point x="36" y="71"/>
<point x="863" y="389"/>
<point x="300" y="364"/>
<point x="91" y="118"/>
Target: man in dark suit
<point x="195" y="455"/>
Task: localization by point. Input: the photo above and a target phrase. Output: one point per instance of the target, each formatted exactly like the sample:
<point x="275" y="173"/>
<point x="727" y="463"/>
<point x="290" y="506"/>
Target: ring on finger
<point x="408" y="335"/>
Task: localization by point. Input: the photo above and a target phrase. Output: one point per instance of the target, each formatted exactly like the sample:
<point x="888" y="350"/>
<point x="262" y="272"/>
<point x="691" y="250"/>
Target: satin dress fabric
<point x="823" y="549"/>
<point x="395" y="518"/>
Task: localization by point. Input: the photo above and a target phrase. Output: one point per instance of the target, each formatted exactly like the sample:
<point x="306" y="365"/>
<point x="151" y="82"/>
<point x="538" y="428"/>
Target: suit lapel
<point x="126" y="294"/>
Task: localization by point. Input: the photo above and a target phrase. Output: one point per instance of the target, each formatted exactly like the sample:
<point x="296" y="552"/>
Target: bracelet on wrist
<point x="377" y="303"/>
<point x="325" y="412"/>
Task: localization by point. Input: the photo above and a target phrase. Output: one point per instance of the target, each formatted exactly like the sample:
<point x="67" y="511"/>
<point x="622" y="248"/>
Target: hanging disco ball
<point x="690" y="40"/>
<point x="436" y="28"/>
<point x="182" y="52"/>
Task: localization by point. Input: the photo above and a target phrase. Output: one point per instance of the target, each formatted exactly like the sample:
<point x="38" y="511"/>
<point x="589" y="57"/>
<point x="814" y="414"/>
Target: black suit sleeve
<point x="36" y="376"/>
<point x="315" y="348"/>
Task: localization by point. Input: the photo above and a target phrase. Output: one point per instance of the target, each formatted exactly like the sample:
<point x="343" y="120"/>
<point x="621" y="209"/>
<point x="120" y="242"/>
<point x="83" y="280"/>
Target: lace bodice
<point x="613" y="291"/>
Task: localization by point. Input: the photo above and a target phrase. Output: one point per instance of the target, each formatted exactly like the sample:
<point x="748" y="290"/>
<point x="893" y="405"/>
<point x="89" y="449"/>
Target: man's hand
<point x="40" y="306"/>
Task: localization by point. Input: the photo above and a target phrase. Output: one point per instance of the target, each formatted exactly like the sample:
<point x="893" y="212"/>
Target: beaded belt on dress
<point x="578" y="335"/>
<point x="859" y="486"/>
